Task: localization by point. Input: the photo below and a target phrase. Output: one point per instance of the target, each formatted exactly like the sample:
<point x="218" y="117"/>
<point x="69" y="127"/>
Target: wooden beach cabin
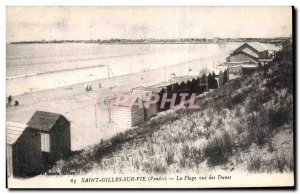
<point x="23" y="150"/>
<point x="55" y="135"/>
<point x="126" y="115"/>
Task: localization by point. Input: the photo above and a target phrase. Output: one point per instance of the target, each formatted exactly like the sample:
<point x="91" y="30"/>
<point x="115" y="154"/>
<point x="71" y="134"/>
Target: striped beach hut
<point x="128" y="114"/>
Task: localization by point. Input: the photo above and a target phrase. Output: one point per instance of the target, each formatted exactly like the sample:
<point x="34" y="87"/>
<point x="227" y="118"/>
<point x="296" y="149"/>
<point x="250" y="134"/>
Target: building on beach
<point x="220" y="74"/>
<point x="165" y="88"/>
<point x="244" y="53"/>
<point x="253" y="52"/>
<point x="246" y="58"/>
<point x="55" y="135"/>
<point x="23" y="150"/>
<point x="139" y="105"/>
<point x="129" y="113"/>
<point x="147" y="96"/>
<point x="189" y="84"/>
<point x="177" y="85"/>
<point x="239" y="67"/>
<point x="33" y="147"/>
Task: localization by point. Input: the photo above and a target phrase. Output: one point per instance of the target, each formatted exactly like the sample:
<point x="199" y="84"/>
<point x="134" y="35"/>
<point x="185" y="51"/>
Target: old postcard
<point x="149" y="97"/>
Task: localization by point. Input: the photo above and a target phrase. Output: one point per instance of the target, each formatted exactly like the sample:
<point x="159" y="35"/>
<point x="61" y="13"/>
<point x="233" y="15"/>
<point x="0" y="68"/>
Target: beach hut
<point x="128" y="113"/>
<point x="161" y="91"/>
<point x="55" y="135"/>
<point x="195" y="86"/>
<point x="23" y="150"/>
<point x="147" y="94"/>
<point x="188" y="84"/>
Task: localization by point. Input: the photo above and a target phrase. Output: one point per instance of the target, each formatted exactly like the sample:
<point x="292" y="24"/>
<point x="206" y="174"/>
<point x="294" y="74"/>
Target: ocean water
<point x="35" y="67"/>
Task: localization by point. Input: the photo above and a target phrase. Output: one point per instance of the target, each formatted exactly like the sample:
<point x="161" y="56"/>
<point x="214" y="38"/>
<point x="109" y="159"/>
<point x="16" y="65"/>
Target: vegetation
<point x="219" y="149"/>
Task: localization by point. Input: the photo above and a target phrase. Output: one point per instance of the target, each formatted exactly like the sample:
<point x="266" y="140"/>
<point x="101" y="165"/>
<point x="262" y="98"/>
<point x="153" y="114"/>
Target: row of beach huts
<point x="126" y="115"/>
<point x="243" y="60"/>
<point x="31" y="148"/>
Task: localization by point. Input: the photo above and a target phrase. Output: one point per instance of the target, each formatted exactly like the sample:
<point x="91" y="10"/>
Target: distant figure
<point x="16" y="103"/>
<point x="9" y="99"/>
<point x="99" y="85"/>
<point x="87" y="87"/>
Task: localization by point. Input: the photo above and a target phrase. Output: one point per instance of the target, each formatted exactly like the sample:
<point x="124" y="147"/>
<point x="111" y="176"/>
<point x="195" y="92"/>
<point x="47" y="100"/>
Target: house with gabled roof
<point x="244" y="53"/>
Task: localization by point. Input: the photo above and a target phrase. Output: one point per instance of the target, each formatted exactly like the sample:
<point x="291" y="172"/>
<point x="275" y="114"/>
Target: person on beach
<point x="88" y="87"/>
<point x="9" y="99"/>
<point x="17" y="103"/>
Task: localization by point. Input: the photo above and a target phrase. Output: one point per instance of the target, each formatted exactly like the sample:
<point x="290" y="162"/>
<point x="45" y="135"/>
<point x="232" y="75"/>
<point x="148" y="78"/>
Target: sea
<point x="36" y="67"/>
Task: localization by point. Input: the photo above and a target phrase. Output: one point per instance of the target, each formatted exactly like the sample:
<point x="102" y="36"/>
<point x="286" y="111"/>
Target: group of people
<point x="9" y="101"/>
<point x="88" y="87"/>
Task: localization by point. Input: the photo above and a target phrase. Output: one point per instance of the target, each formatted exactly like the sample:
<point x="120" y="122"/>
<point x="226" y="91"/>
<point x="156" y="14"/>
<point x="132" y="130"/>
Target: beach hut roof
<point x="14" y="131"/>
<point x="44" y="121"/>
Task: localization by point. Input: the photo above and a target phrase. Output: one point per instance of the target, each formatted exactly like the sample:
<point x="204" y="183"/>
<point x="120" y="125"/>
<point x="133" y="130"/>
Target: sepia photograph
<point x="156" y="97"/>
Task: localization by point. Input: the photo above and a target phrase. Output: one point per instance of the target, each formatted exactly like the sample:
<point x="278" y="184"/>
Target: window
<point x="45" y="142"/>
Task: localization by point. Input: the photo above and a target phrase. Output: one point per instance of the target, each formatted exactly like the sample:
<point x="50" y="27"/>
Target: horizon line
<point x="151" y="39"/>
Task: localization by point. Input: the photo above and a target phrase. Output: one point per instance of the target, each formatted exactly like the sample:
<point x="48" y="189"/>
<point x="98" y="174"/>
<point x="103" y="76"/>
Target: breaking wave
<point x="50" y="72"/>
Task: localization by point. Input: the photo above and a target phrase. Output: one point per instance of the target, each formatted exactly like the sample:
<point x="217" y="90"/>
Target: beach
<point x="51" y="77"/>
<point x="89" y="123"/>
<point x="55" y="82"/>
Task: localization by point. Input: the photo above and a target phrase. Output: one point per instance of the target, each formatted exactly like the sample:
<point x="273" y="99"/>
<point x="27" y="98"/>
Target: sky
<point x="84" y="23"/>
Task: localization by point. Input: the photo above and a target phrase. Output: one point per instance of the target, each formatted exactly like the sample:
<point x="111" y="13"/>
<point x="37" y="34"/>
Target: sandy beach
<point x="62" y="90"/>
<point x="88" y="123"/>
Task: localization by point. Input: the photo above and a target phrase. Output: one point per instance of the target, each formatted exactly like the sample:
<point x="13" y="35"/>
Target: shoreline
<point x="54" y="71"/>
<point x="106" y="79"/>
